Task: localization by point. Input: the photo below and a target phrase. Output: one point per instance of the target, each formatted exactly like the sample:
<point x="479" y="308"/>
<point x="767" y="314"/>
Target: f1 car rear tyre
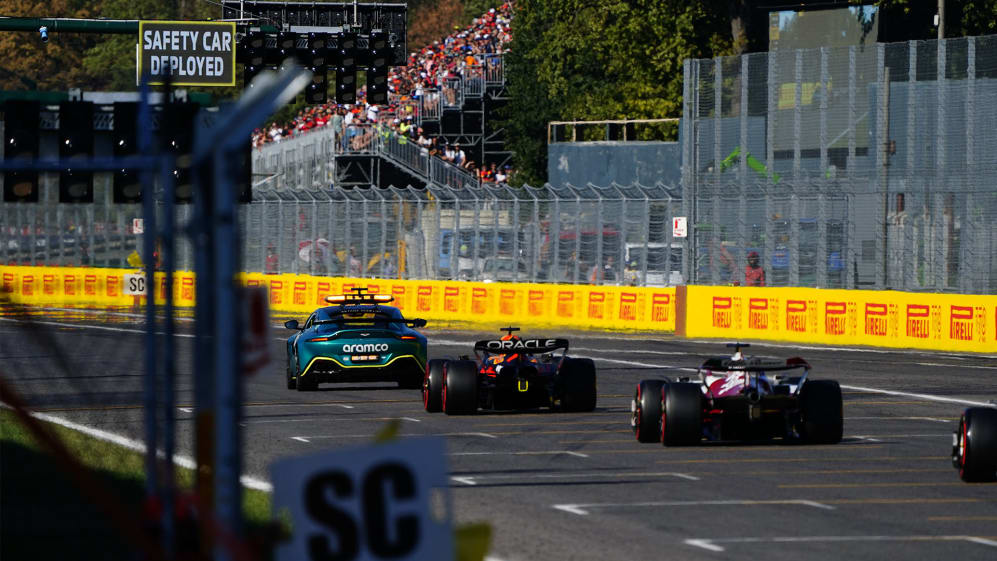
<point x="432" y="386"/>
<point x="291" y="381"/>
<point x="820" y="412"/>
<point x="460" y="387"/>
<point x="681" y="414"/>
<point x="579" y="385"/>
<point x="646" y="411"/>
<point x="974" y="445"/>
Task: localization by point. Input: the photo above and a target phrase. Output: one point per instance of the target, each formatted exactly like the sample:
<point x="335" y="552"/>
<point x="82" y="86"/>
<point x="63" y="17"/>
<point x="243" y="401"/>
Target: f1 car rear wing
<point x="754" y="364"/>
<point x="524" y="346"/>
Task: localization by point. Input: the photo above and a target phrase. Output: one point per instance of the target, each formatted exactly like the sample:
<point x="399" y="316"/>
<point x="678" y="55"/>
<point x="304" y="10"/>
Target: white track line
<point x="139" y="446"/>
<point x="523" y="453"/>
<point x="711" y="544"/>
<point x="475" y="479"/>
<point x="921" y="396"/>
<point x="582" y="509"/>
<point x="330" y="436"/>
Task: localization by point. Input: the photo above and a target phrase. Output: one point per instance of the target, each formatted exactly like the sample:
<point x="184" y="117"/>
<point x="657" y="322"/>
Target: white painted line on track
<point x="300" y="439"/>
<point x="139" y="446"/>
<point x="371" y="436"/>
<point x="320" y="420"/>
<point x="921" y="396"/>
<point x="475" y="479"/>
<point x="185" y="409"/>
<point x="873" y="437"/>
<point x="523" y="453"/>
<point x="888" y="418"/>
<point x="712" y="544"/>
<point x="414" y="420"/>
<point x="582" y="509"/>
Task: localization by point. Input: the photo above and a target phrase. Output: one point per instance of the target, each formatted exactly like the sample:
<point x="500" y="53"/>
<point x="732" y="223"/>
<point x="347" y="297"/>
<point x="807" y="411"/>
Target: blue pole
<point x="148" y="248"/>
<point x="169" y="409"/>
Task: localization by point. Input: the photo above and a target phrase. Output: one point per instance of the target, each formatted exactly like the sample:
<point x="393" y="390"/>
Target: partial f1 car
<point x="511" y="373"/>
<point x="357" y="339"/>
<point x="739" y="398"/>
<point x="974" y="445"/>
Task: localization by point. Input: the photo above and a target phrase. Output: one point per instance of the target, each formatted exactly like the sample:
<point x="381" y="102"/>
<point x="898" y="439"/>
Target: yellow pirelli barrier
<point x="86" y="287"/>
<point x="489" y="304"/>
<point x="485" y="305"/>
<point x="948" y="322"/>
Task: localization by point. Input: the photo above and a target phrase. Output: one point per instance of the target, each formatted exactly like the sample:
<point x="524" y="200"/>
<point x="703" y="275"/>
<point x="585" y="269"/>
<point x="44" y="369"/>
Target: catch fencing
<point x="853" y="167"/>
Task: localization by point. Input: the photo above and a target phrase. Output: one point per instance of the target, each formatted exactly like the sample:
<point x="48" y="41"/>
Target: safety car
<point x="357" y="339"/>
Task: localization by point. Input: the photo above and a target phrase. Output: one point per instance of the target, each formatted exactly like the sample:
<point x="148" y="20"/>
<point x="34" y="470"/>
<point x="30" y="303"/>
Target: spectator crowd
<point x="433" y="70"/>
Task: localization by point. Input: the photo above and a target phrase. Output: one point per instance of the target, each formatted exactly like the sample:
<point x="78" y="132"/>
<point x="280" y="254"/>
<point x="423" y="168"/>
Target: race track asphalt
<point x="559" y="486"/>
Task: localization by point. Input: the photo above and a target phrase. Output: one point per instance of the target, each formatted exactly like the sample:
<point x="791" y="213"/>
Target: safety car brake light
<point x="407" y="337"/>
<point x="317" y="339"/>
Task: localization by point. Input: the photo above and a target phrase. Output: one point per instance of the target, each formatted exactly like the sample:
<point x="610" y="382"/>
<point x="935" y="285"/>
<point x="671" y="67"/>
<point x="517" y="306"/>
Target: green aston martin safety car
<point x="356" y="339"/>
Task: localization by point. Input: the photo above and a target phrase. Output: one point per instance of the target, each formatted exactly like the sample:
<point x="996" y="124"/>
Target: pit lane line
<point x="582" y="509"/>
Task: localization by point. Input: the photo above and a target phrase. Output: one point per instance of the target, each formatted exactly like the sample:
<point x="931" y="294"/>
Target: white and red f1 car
<point x="739" y="398"/>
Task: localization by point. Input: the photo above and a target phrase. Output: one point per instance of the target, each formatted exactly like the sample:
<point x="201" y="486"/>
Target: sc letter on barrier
<point x="373" y="503"/>
<point x="135" y="285"/>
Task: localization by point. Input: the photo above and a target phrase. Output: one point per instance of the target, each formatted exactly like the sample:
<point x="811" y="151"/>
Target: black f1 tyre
<point x="460" y="387"/>
<point x="681" y="414"/>
<point x="974" y="445"/>
<point x="579" y="385"/>
<point x="292" y="383"/>
<point x="432" y="386"/>
<point x="645" y="411"/>
<point x="820" y="412"/>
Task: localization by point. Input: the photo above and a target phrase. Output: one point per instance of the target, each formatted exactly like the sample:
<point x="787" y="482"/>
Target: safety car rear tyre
<point x="292" y="383"/>
<point x="681" y="414"/>
<point x="579" y="385"/>
<point x="645" y="411"/>
<point x="460" y="387"/>
<point x="974" y="445"/>
<point x="432" y="386"/>
<point x="821" y="412"/>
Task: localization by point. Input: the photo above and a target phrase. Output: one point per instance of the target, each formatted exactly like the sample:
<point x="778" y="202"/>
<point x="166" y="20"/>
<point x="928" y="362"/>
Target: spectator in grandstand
<point x="754" y="274"/>
<point x="631" y="276"/>
<point x="355" y="267"/>
<point x="609" y="269"/>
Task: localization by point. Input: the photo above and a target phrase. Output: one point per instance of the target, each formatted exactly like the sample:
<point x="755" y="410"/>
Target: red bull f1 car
<point x="739" y="398"/>
<point x="511" y="373"/>
<point x="974" y="445"/>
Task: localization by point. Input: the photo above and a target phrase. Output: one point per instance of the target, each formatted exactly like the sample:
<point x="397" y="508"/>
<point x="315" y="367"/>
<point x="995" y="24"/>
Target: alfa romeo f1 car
<point x="974" y="445"/>
<point x="739" y="398"/>
<point x="511" y="373"/>
<point x="357" y="339"/>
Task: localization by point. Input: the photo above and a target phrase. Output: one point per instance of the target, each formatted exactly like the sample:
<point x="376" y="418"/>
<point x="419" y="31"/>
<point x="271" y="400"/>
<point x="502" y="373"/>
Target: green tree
<point x="587" y="60"/>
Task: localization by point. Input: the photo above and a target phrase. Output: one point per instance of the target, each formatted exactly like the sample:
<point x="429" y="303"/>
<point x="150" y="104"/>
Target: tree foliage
<point x="592" y="60"/>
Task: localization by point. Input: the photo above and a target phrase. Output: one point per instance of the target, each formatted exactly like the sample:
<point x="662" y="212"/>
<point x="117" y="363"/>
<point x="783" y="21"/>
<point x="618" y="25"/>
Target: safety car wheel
<point x="645" y="411"/>
<point x="460" y="387"/>
<point x="307" y="384"/>
<point x="579" y="385"/>
<point x="432" y="386"/>
<point x="820" y="412"/>
<point x="974" y="445"/>
<point x="291" y="381"/>
<point x="681" y="414"/>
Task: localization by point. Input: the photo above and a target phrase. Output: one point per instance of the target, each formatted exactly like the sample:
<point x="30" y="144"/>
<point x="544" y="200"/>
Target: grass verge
<point x="44" y="516"/>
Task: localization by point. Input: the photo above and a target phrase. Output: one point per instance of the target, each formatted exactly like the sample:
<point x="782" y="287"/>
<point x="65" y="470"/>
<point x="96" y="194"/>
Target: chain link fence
<point x="611" y="235"/>
<point x="855" y="167"/>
